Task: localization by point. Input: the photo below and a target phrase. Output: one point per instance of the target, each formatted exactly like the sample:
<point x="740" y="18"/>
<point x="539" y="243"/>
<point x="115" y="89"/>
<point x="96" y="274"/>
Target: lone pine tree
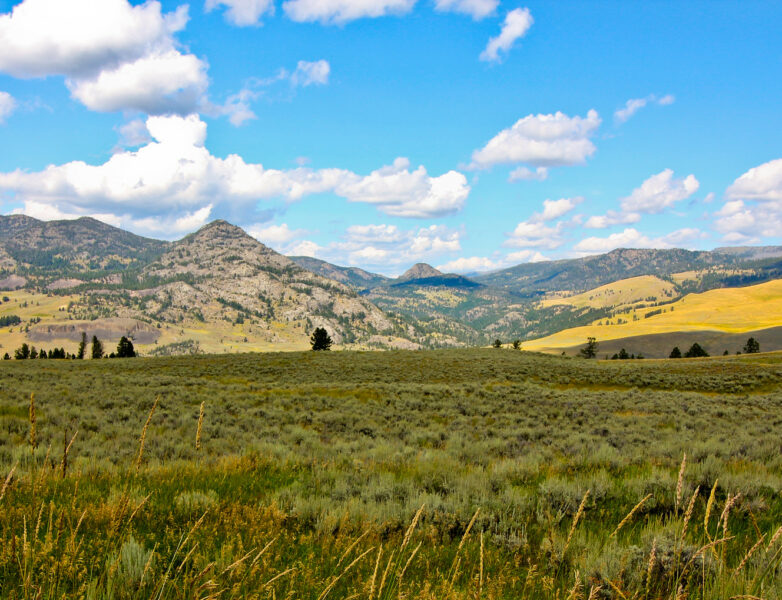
<point x="590" y="350"/>
<point x="320" y="339"/>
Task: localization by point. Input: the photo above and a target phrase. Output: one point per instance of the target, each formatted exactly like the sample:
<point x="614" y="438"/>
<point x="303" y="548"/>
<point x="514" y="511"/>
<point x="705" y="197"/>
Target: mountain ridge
<point x="221" y="282"/>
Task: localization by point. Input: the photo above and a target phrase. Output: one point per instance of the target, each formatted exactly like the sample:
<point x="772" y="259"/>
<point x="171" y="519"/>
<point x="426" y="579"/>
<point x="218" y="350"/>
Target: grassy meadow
<point x="483" y="473"/>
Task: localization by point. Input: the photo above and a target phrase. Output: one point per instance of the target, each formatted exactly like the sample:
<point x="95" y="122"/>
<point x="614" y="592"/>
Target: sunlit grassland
<point x="312" y="468"/>
<point x="619" y="293"/>
<point x="730" y="310"/>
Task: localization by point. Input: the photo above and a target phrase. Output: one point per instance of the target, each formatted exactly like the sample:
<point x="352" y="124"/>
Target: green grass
<point x="310" y="451"/>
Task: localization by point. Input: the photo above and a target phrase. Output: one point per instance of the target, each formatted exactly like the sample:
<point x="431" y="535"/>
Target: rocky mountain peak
<point x="420" y="271"/>
<point x="219" y="246"/>
<point x="219" y="229"/>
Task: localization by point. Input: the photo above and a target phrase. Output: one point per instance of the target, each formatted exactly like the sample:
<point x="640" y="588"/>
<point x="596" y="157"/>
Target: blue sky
<point x="470" y="134"/>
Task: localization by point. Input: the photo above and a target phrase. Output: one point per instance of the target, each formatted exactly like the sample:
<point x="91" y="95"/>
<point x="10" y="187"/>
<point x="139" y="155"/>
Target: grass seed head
<point x="680" y="481"/>
<point x="200" y="425"/>
<point x="630" y="515"/>
<point x="33" y="429"/>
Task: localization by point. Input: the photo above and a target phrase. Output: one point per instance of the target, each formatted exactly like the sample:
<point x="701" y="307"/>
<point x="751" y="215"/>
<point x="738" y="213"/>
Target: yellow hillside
<point x="219" y="336"/>
<point x="732" y="310"/>
<point x="27" y="306"/>
<point x="619" y="293"/>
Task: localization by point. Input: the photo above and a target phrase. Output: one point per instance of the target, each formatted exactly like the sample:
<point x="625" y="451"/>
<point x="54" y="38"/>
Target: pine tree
<point x="125" y="348"/>
<point x="82" y="346"/>
<point x="22" y="352"/>
<point x="695" y="351"/>
<point x="320" y="339"/>
<point x="675" y="353"/>
<point x="590" y="350"/>
<point x="97" y="347"/>
<point x="752" y="346"/>
<point x="497" y="343"/>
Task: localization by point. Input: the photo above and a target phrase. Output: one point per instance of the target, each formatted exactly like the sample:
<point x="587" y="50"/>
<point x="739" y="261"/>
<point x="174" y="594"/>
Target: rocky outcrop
<point x="105" y="329"/>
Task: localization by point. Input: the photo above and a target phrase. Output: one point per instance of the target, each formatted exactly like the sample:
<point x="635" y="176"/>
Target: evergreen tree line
<point x="9" y="320"/>
<point x="125" y="349"/>
<point x="695" y="351"/>
<point x="623" y="355"/>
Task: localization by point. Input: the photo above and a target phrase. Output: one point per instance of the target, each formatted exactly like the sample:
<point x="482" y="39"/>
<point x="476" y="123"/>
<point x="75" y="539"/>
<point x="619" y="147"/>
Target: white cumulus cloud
<point x="477" y="9"/>
<point x="632" y="238"/>
<point x="383" y="247"/>
<point x="611" y="218"/>
<point x="543" y="140"/>
<point x="762" y="183"/>
<point x="523" y="256"/>
<point x="311" y="73"/>
<point x="554" y="209"/>
<point x="535" y="234"/>
<point x="175" y="173"/>
<point x="399" y="192"/>
<point x="242" y="12"/>
<point x="517" y="23"/>
<point x="373" y="234"/>
<point x="659" y="192"/>
<point x="80" y="38"/>
<point x="115" y="56"/>
<point x="134" y="133"/>
<point x="527" y="174"/>
<point x="471" y="264"/>
<point x="339" y="12"/>
<point x="7" y="106"/>
<point x="753" y="210"/>
<point x="655" y="195"/>
<point x="478" y="264"/>
<point x="274" y="235"/>
<point x="168" y="82"/>
<point x="305" y="248"/>
<point x="633" y="105"/>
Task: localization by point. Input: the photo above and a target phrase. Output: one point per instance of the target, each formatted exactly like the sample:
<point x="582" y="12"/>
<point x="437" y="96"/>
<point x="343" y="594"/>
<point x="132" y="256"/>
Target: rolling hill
<point x="716" y="313"/>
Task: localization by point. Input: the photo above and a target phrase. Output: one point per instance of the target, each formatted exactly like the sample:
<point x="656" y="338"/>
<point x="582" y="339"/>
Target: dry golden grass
<point x="619" y="293"/>
<point x="730" y="310"/>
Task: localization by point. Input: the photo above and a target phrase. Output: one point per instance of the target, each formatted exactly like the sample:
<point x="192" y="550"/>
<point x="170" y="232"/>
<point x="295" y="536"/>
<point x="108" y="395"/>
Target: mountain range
<point x="219" y="289"/>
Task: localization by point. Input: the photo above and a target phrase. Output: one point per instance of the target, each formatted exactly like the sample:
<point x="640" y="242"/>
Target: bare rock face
<point x="105" y="329"/>
<point x="12" y="282"/>
<point x="64" y="284"/>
